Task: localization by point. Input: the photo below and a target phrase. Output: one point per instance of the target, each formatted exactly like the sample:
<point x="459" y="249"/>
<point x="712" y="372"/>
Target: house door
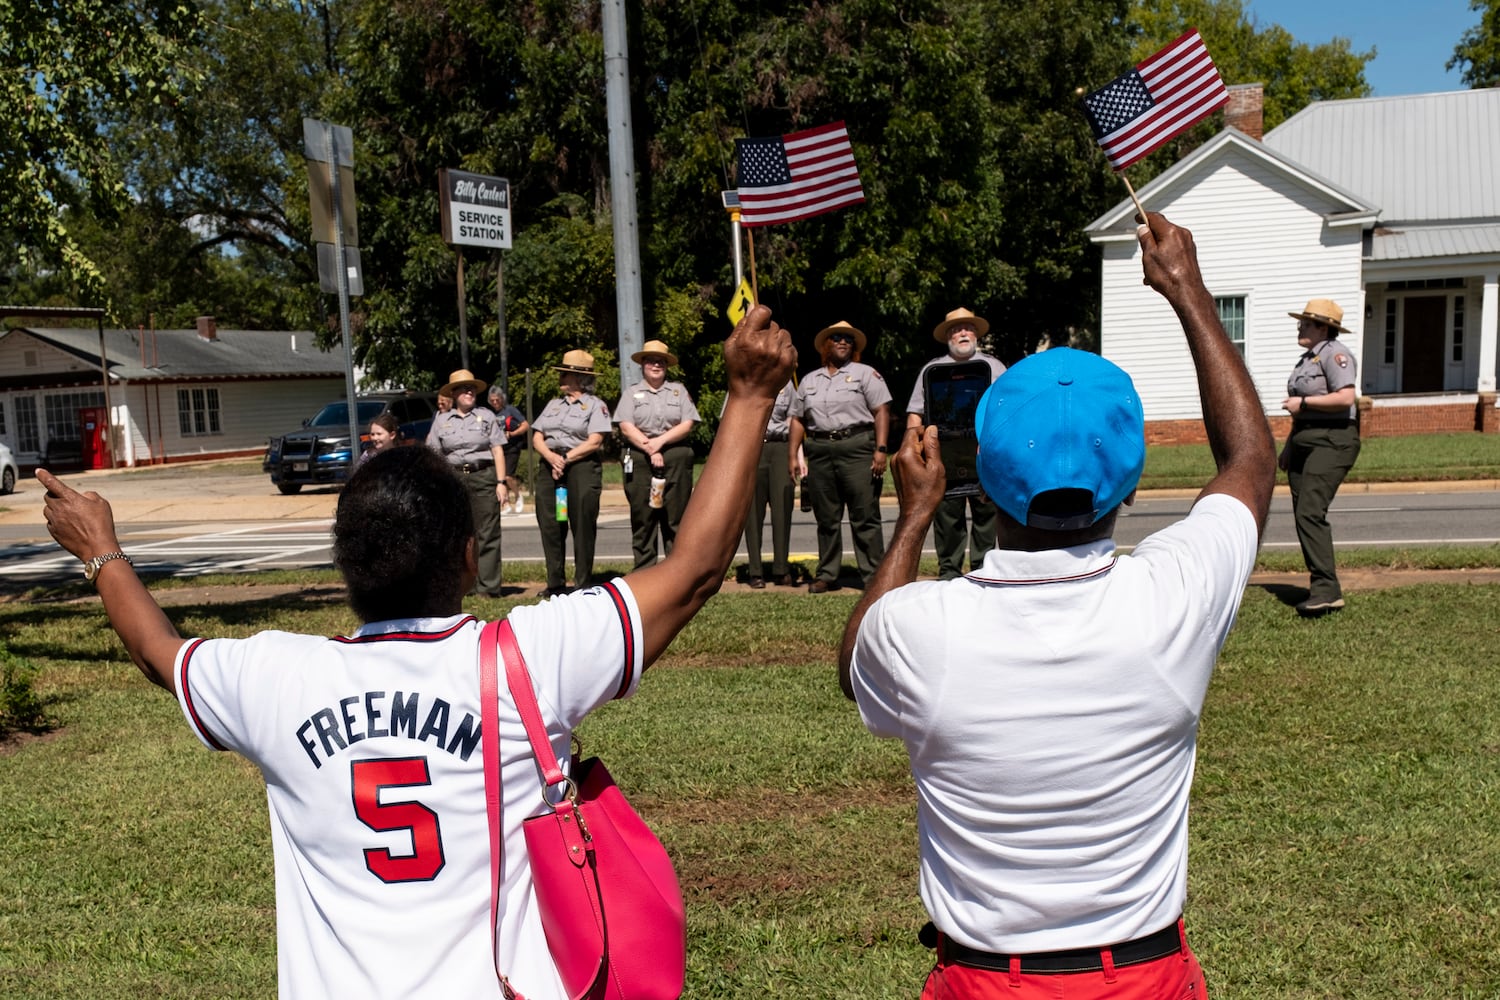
<point x="1422" y="339"/>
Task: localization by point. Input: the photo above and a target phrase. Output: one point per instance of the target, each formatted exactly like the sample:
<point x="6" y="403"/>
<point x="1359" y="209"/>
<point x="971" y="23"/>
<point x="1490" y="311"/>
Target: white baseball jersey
<point x="371" y="750"/>
<point x="1049" y="703"/>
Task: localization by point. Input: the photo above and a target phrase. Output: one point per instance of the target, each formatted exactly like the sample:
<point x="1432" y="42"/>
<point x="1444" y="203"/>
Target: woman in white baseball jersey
<point x="370" y="744"/>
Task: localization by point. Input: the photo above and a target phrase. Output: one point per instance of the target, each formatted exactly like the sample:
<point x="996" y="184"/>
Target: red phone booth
<point x="93" y="437"/>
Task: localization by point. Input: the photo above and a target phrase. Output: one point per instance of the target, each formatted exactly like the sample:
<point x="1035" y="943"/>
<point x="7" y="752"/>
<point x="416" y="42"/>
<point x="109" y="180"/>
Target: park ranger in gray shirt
<point x="567" y="436"/>
<point x="471" y="440"/>
<point x="841" y="410"/>
<point x="774" y="477"/>
<point x="655" y="418"/>
<point x="1323" y="400"/>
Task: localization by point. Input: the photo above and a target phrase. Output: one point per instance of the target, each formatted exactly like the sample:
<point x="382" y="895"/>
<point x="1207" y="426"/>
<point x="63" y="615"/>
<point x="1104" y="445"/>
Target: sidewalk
<point x="220" y="491"/>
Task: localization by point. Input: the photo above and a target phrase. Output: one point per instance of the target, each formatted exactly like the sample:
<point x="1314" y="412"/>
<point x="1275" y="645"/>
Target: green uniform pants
<point x="839" y="475"/>
<point x="949" y="529"/>
<point x="1317" y="461"/>
<point x="645" y="520"/>
<point x="584" y="480"/>
<point x="773" y="488"/>
<point x="481" y="487"/>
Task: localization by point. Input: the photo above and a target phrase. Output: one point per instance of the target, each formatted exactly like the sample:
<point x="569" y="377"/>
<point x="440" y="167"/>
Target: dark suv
<point x="318" y="454"/>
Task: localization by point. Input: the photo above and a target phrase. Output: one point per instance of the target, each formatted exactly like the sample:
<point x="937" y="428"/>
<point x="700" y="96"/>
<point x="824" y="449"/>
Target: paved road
<point x="189" y="521"/>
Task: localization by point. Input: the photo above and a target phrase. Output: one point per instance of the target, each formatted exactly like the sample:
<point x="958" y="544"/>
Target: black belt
<point x="468" y="467"/>
<point x="1167" y="941"/>
<point x="770" y="438"/>
<point x="839" y="435"/>
<point x="1298" y="425"/>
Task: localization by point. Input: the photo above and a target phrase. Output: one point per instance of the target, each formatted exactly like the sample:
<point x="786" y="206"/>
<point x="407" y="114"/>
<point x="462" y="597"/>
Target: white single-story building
<point x="170" y="395"/>
<point x="1389" y="206"/>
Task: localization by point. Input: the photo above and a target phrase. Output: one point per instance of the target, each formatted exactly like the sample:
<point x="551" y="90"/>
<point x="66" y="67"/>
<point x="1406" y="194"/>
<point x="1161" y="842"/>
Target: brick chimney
<point x="208" y="329"/>
<point x="1244" y="110"/>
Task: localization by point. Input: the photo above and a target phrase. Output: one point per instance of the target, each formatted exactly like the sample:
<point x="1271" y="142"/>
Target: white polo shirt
<point x="1049" y="704"/>
<point x="371" y="750"/>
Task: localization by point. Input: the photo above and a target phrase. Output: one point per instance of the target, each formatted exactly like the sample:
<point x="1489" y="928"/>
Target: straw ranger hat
<point x="462" y="381"/>
<point x="654" y="349"/>
<point x="960" y="315"/>
<point x="1324" y="311"/>
<point x="578" y="362"/>
<point x="842" y="326"/>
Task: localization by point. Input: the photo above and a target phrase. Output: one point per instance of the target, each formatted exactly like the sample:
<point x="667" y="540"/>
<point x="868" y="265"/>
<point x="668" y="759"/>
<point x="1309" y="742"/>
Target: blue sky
<point x="1413" y="39"/>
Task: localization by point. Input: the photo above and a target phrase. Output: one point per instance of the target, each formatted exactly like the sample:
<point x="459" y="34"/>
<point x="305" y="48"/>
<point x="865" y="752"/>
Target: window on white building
<point x="1388" y="354"/>
<point x="1232" y="316"/>
<point x="62" y="413"/>
<point x="198" y="412"/>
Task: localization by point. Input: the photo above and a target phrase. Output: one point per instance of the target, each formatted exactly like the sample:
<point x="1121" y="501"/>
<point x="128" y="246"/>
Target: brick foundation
<point x="1374" y="421"/>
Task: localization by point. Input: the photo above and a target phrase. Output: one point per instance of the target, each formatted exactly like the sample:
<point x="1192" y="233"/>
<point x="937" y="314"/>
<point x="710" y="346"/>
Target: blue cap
<point x="1063" y="419"/>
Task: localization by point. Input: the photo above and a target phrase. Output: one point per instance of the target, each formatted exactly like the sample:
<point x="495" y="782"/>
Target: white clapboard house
<point x="171" y="395"/>
<point x="1389" y="206"/>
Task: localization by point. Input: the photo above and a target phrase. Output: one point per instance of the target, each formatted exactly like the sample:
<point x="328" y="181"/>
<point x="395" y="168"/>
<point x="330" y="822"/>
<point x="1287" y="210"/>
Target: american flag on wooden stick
<point x="1161" y="98"/>
<point x="784" y="178"/>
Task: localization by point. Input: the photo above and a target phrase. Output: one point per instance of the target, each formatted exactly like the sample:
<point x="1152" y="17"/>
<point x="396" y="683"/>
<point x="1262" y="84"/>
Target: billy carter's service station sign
<point x="475" y="209"/>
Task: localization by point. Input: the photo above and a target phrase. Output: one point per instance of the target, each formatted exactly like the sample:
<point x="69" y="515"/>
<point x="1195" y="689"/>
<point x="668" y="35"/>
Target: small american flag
<point x="1161" y="98"/>
<point x="796" y="176"/>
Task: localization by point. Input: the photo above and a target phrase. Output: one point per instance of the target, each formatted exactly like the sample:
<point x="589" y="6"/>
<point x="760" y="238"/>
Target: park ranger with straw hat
<point x="567" y="436"/>
<point x="655" y="417"/>
<point x="471" y="440"/>
<point x="841" y="410"/>
<point x="1322" y="396"/>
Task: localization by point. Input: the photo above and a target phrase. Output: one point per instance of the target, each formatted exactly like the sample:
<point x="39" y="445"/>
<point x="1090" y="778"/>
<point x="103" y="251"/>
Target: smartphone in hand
<point x="951" y="394"/>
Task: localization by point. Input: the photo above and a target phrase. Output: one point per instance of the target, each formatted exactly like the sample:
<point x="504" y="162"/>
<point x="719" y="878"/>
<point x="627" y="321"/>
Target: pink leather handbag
<point x="608" y="897"/>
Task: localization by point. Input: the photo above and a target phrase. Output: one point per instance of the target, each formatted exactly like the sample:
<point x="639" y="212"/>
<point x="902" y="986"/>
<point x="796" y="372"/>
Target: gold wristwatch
<point x="91" y="568"/>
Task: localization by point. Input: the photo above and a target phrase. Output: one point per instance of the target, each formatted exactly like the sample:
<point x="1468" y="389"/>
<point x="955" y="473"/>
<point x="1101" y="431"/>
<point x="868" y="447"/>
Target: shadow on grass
<point x="1288" y="594"/>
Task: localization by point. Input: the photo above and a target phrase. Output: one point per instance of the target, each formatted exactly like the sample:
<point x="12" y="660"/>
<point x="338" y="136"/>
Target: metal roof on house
<point x="1422" y="158"/>
<point x="1412" y="242"/>
<point x="177" y="354"/>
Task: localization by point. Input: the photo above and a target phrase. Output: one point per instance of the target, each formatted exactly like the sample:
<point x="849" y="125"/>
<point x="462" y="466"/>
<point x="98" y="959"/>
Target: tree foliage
<point x="71" y="65"/>
<point x="1478" y="51"/>
<point x="978" y="167"/>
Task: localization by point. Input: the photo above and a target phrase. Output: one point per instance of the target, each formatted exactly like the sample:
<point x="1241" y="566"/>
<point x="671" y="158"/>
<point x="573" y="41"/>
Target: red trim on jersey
<point x="187" y="696"/>
<point x="627" y="636"/>
<point x="410" y="636"/>
<point x="1025" y="582"/>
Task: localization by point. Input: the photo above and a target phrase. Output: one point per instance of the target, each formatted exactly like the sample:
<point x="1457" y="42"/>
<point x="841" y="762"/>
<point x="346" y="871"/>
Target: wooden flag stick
<point x="1128" y="187"/>
<point x="754" y="285"/>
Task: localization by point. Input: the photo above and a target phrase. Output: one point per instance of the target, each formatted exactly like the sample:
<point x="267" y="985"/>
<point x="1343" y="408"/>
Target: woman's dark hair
<point x="388" y="421"/>
<point x="400" y="535"/>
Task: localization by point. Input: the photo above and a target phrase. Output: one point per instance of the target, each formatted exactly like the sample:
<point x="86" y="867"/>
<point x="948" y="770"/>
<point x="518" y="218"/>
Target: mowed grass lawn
<point x="1345" y="829"/>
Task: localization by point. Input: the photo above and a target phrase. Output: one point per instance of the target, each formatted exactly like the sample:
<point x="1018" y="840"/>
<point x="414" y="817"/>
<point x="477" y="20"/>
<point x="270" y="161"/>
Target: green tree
<point x="70" y="66"/>
<point x="1478" y="51"/>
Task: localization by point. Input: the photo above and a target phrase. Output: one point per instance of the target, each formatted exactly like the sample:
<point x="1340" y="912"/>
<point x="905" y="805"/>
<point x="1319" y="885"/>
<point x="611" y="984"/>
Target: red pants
<point x="1176" y="977"/>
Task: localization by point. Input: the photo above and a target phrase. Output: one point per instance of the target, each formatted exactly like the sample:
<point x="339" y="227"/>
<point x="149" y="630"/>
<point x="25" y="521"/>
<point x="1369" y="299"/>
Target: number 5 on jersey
<point x="369" y="778"/>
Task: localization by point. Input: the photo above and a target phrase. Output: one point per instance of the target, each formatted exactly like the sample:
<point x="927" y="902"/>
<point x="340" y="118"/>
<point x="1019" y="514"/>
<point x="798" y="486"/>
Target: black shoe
<point x="1318" y="608"/>
<point x="757" y="583"/>
<point x="786" y="580"/>
<point x="822" y="587"/>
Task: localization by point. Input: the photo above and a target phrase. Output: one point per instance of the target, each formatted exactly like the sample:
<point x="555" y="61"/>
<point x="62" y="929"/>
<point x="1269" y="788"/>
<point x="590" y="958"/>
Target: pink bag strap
<point x="518" y="678"/>
<point x="489" y="725"/>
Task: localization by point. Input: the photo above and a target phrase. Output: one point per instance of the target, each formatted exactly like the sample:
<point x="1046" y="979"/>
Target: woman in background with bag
<point x="373" y="749"/>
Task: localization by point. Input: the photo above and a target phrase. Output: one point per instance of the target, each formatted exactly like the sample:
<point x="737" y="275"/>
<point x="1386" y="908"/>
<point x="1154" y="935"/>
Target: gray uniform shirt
<point x="564" y="424"/>
<point x="918" y="402"/>
<point x="656" y="411"/>
<point x="466" y="438"/>
<point x="1326" y="367"/>
<point x="846" y="398"/>
<point x="779" y="427"/>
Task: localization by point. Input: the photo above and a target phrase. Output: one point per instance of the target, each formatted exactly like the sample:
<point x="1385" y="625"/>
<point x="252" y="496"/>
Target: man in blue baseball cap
<point x="1049" y="701"/>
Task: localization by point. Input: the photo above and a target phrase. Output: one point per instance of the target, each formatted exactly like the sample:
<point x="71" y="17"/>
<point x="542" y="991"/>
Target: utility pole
<point x="622" y="187"/>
